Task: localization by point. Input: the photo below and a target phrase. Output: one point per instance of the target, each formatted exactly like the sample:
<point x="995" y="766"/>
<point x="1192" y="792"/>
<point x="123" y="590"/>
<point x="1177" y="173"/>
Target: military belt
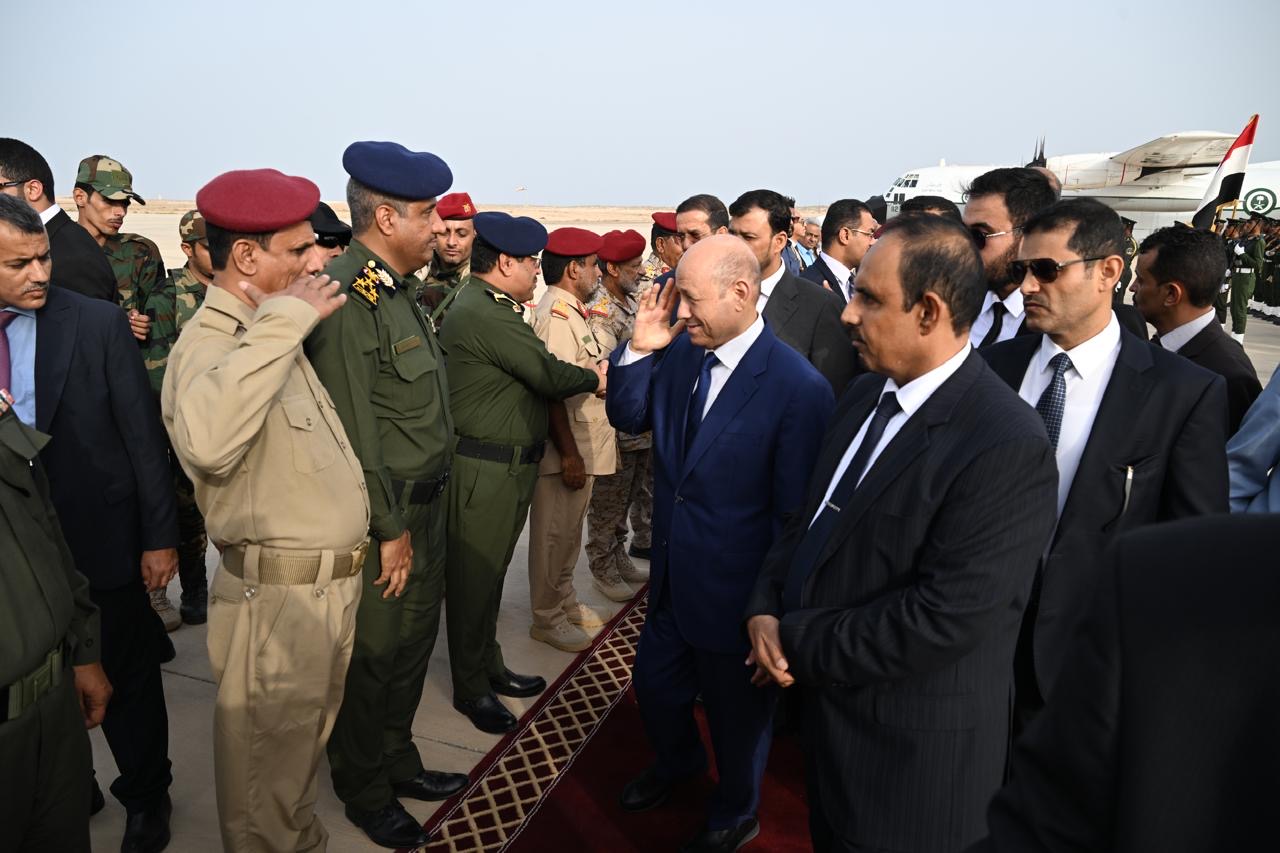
<point x="285" y="566"/>
<point x="420" y="491"/>
<point x="28" y="690"/>
<point x="500" y="452"/>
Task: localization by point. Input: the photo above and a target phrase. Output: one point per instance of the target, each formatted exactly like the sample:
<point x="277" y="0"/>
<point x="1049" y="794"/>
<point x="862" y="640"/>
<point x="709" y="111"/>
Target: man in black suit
<point x="111" y="485"/>
<point x="1179" y="271"/>
<point x="894" y="596"/>
<point x="79" y="264"/>
<point x="1139" y="432"/>
<point x="848" y="230"/>
<point x="803" y="315"/>
<point x="1161" y="737"/>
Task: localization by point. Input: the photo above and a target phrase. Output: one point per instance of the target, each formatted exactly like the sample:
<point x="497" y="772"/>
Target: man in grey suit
<point x="803" y="315"/>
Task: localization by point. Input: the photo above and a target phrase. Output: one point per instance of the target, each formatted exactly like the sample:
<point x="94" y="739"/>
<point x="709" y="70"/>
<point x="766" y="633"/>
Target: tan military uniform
<point x="557" y="512"/>
<point x="284" y="499"/>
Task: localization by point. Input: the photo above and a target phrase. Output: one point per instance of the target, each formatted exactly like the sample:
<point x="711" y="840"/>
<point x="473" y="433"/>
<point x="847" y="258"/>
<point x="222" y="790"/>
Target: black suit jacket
<point x="79" y="264"/>
<point x="821" y="274"/>
<point x="1161" y="737"/>
<point x="1157" y="451"/>
<point x="905" y="637"/>
<point x="1215" y="350"/>
<point x="806" y="317"/>
<point x="107" y="465"/>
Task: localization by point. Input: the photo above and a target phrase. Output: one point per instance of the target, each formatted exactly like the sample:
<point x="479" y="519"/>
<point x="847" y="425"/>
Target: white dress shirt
<point x="911" y="397"/>
<point x="1092" y="363"/>
<point x="844" y="275"/>
<point x="767" y="285"/>
<point x="1012" y="319"/>
<point x="48" y="213"/>
<point x="1177" y="338"/>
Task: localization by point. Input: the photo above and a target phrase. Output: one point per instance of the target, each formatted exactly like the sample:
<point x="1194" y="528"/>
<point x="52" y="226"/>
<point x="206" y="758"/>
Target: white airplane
<point x="1156" y="183"/>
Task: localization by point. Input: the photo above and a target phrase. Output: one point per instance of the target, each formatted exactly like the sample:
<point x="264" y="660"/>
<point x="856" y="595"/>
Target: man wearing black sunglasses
<point x="1139" y="432"/>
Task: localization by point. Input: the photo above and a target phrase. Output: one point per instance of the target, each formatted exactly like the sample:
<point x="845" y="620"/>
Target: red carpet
<point x="553" y="784"/>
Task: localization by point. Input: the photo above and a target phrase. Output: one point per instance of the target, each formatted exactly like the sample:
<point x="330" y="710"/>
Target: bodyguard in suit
<point x="894" y="597"/>
<point x="80" y="264"/>
<point x="800" y="313"/>
<point x="1139" y="431"/>
<point x="1179" y="271"/>
<point x="78" y="378"/>
<point x="736" y="418"/>
<point x="848" y="230"/>
<point x="1161" y="735"/>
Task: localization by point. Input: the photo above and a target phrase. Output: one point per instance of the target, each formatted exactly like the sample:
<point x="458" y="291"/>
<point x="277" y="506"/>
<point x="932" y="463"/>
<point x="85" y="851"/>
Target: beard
<point x="998" y="278"/>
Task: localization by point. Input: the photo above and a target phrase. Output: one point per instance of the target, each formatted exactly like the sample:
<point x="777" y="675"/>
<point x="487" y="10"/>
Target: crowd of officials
<point x="901" y="477"/>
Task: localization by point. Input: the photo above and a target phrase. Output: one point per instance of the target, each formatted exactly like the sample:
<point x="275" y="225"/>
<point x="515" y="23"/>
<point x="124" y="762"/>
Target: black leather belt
<point x="420" y="491"/>
<point x="499" y="452"/>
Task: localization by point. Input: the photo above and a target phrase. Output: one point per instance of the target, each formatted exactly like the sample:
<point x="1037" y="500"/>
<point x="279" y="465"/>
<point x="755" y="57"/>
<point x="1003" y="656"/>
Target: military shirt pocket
<point x="408" y="389"/>
<point x="313" y="447"/>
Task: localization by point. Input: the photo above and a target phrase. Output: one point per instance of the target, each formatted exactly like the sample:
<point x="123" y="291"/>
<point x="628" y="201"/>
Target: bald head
<point x="719" y="283"/>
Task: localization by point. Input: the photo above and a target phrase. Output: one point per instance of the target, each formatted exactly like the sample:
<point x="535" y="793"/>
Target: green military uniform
<point x="138" y="268"/>
<point x="380" y="361"/>
<point x="1245" y="266"/>
<point x="500" y="377"/>
<point x="435" y="295"/>
<point x="47" y="624"/>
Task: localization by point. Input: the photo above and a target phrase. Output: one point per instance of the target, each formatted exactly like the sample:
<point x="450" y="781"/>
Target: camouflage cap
<point x="191" y="227"/>
<point x="108" y="177"/>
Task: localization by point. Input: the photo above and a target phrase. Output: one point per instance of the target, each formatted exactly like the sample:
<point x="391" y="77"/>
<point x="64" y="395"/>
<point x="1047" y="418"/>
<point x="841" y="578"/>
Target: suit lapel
<point x="1010" y="359"/>
<point x="733" y="396"/>
<point x="56" y="222"/>
<point x="781" y="304"/>
<point x="1202" y="340"/>
<point x="55" y="339"/>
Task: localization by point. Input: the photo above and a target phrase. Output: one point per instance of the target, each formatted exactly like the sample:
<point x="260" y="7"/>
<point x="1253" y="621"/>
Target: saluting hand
<point x="653" y="330"/>
<point x="318" y="291"/>
<point x="766" y="652"/>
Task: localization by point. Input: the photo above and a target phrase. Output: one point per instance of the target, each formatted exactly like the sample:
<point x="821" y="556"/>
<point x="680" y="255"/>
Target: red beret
<point x="455" y="206"/>
<point x="256" y="201"/>
<point x="666" y="220"/>
<point x="621" y="246"/>
<point x="573" y="242"/>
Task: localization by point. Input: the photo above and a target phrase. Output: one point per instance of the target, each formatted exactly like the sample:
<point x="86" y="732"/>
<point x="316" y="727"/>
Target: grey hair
<point x="814" y="220"/>
<point x="17" y="214"/>
<point x="363" y="201"/>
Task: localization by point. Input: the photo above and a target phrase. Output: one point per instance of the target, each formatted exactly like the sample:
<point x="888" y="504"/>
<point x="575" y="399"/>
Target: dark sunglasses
<point x="1044" y="269"/>
<point x="981" y="237"/>
<point x="332" y="242"/>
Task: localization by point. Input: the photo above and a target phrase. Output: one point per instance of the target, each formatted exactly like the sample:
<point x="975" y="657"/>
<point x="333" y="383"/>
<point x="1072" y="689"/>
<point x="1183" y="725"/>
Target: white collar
<point x="1178" y="338"/>
<point x="916" y="393"/>
<point x="48" y="213"/>
<point x="768" y="284"/>
<point x="842" y="272"/>
<point x="1013" y="303"/>
<point x="1087" y="357"/>
<point x="733" y="350"/>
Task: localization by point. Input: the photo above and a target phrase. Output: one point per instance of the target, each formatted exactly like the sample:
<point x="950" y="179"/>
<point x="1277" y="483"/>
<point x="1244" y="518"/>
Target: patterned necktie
<point x="806" y="556"/>
<point x="6" y="377"/>
<point x="1053" y="402"/>
<point x="997" y="321"/>
<point x="698" y="400"/>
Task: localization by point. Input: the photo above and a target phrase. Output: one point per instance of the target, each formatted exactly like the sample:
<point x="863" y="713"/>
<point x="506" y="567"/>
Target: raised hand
<point x="318" y="291"/>
<point x="653" y="330"/>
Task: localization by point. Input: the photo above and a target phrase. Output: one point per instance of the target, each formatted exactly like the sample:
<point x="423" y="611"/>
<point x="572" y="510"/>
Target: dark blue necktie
<point x="1053" y="402"/>
<point x="698" y="400"/>
<point x="806" y="556"/>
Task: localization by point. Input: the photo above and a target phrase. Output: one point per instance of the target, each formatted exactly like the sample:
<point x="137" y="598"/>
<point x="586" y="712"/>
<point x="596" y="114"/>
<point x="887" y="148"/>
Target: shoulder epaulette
<point x="365" y="287"/>
<point x="503" y="299"/>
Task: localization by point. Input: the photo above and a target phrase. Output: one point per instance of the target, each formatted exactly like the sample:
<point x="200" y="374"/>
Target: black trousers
<point x="137" y="722"/>
<point x="44" y="776"/>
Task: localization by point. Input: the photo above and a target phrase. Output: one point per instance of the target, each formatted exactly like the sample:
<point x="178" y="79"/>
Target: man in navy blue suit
<point x="737" y="417"/>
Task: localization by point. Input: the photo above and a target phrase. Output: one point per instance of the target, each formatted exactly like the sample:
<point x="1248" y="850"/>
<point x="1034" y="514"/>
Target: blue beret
<point x="518" y="236"/>
<point x="390" y="168"/>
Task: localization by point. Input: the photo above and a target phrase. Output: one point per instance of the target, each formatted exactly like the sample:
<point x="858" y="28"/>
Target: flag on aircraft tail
<point x="1228" y="180"/>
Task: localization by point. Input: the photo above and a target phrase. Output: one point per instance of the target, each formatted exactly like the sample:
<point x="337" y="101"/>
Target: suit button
<point x="679" y="499"/>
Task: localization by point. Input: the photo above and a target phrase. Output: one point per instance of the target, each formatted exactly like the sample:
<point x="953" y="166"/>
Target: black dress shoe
<point x="642" y="553"/>
<point x="147" y="831"/>
<point x="517" y="686"/>
<point x="390" y="826"/>
<point x="487" y="714"/>
<point x="97" y="802"/>
<point x="723" y="840"/>
<point x="430" y="785"/>
<point x="646" y="791"/>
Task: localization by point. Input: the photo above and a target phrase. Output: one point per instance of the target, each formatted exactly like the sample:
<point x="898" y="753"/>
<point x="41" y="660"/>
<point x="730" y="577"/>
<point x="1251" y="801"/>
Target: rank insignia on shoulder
<point x="560" y="309"/>
<point x="365" y="286"/>
<point x="503" y="299"/>
<point x="600" y="309"/>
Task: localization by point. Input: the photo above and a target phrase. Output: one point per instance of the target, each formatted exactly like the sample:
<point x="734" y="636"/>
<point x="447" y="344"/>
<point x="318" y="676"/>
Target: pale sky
<point x="626" y="103"/>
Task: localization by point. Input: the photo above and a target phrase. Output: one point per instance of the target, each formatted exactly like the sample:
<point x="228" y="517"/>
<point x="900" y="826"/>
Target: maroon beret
<point x="455" y="206"/>
<point x="665" y="219"/>
<point x="621" y="246"/>
<point x="256" y="201"/>
<point x="573" y="242"/>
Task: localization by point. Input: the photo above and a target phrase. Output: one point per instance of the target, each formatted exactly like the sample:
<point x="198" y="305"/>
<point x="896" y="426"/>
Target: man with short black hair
<point x="664" y="248"/>
<point x="701" y="216"/>
<point x="931" y="204"/>
<point x="1179" y="272"/>
<point x="791" y="251"/>
<point x="848" y="230"/>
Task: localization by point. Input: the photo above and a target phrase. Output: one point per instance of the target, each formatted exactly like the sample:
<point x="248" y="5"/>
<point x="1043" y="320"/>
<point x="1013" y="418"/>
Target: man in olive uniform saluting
<point x="380" y="360"/>
<point x="500" y="379"/>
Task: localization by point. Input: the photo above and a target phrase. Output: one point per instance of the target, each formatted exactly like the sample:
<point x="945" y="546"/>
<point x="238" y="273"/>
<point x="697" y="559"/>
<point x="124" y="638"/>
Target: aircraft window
<point x="912" y="182"/>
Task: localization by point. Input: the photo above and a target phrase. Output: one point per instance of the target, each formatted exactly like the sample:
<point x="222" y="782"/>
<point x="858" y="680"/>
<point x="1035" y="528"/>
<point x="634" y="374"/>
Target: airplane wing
<point x="1179" y="150"/>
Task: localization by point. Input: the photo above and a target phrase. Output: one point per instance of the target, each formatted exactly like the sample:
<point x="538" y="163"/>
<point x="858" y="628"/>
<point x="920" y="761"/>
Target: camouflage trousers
<point x="630" y="489"/>
<point x="192" y="540"/>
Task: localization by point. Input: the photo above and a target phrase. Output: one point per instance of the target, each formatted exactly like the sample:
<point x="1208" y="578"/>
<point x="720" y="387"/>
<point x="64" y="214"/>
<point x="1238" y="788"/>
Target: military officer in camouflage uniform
<point x="170" y="307"/>
<point x="665" y="248"/>
<point x="451" y="261"/>
<point x="1246" y="259"/>
<point x="612" y="316"/>
<point x="500" y="379"/>
<point x="381" y="362"/>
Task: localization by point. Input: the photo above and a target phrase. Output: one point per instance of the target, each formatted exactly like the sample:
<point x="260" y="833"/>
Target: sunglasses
<point x="1044" y="269"/>
<point x="981" y="237"/>
<point x="332" y="242"/>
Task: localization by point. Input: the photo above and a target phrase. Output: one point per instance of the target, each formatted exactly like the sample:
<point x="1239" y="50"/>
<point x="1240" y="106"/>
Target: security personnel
<point x="51" y="685"/>
<point x="665" y="248"/>
<point x="582" y="445"/>
<point x="381" y="362"/>
<point x="1247" y="257"/>
<point x="612" y="316"/>
<point x="332" y="234"/>
<point x="170" y="307"/>
<point x="451" y="261"/>
<point x="284" y="500"/>
<point x="500" y="379"/>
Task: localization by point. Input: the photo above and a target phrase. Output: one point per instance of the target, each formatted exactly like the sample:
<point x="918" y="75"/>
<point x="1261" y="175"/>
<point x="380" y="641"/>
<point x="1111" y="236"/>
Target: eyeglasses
<point x="8" y="184"/>
<point x="1044" y="269"/>
<point x="871" y="234"/>
<point x="981" y="237"/>
<point x="537" y="261"/>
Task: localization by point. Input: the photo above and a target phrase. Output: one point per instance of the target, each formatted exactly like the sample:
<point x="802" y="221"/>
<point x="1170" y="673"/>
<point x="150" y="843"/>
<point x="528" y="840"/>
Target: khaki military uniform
<point x="285" y="501"/>
<point x="557" y="512"/>
<point x="651" y="268"/>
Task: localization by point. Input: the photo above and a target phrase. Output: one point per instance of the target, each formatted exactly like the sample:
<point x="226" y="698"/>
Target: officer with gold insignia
<point x="582" y="445"/>
<point x="500" y="380"/>
<point x="380" y="360"/>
